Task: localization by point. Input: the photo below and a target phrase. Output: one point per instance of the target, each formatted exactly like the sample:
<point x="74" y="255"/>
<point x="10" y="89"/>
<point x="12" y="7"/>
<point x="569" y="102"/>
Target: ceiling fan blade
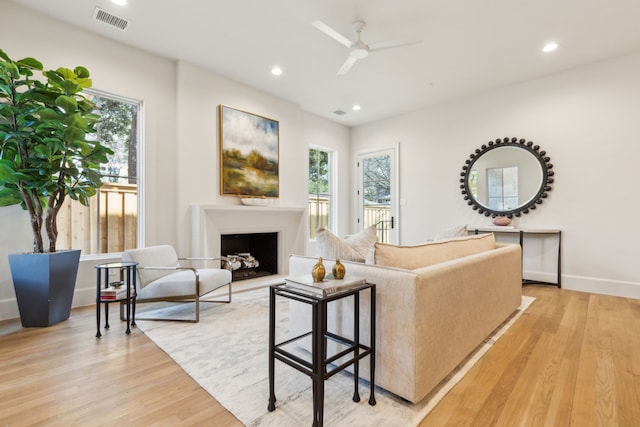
<point x="332" y="33"/>
<point x="347" y="65"/>
<point x="391" y="44"/>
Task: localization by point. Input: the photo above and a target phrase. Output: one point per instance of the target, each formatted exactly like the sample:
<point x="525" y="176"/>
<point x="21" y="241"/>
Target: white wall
<point x="335" y="137"/>
<point x="587" y="121"/>
<point x="114" y="68"/>
<point x="200" y="92"/>
<point x="181" y="164"/>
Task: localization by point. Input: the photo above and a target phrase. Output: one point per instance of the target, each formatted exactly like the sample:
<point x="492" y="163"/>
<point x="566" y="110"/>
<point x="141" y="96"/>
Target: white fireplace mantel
<point x="209" y="222"/>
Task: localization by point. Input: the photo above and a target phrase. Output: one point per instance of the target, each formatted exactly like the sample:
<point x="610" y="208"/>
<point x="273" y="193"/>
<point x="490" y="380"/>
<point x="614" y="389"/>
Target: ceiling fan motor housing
<point x="359" y="50"/>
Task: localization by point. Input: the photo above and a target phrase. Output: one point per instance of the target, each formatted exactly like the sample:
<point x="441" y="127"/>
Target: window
<point x="320" y="190"/>
<point x="376" y="190"/>
<point x="502" y="185"/>
<point x="110" y="223"/>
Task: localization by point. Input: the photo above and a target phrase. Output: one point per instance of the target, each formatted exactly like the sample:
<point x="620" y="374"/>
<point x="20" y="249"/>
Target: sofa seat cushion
<point x="183" y="283"/>
<point x="412" y="257"/>
<point x="353" y="248"/>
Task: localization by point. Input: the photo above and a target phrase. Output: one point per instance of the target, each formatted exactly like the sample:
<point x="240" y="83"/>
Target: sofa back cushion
<point x="412" y="257"/>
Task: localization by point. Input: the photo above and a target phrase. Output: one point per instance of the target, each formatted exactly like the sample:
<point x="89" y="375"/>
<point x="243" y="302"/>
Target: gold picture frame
<point x="249" y="154"/>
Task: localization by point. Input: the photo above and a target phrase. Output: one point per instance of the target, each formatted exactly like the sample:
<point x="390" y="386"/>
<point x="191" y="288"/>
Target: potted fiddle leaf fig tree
<point x="45" y="156"/>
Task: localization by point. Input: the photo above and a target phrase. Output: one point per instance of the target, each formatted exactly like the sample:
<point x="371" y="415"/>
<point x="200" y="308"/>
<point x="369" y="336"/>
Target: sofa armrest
<point x="458" y="304"/>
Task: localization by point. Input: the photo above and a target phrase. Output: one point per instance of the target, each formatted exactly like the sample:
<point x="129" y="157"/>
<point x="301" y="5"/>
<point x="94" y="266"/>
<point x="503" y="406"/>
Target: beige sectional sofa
<point x="432" y="313"/>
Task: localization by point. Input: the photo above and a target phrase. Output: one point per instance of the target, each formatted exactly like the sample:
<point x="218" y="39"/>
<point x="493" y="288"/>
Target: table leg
<point x="272" y="325"/>
<point x="372" y="355"/>
<point x="133" y="313"/>
<point x="356" y="339"/>
<point x="128" y="331"/>
<point x="319" y="366"/>
<point x="98" y="334"/>
<point x="106" y="305"/>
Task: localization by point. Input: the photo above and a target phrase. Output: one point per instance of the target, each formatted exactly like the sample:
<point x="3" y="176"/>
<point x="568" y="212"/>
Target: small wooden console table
<point x="522" y="233"/>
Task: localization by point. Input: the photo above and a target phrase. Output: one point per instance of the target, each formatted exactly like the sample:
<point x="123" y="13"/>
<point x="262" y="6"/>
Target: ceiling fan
<point x="358" y="49"/>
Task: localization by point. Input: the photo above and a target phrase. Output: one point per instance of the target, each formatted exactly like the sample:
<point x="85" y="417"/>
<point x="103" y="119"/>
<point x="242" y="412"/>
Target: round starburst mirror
<point x="506" y="177"/>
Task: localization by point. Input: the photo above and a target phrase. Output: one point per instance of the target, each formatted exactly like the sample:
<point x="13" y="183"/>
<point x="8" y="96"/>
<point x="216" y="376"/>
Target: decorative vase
<point x="501" y="221"/>
<point x="318" y="271"/>
<point x="338" y="270"/>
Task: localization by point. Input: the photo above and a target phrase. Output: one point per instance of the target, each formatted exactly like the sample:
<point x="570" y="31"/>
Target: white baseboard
<point x="602" y="286"/>
<point x="589" y="284"/>
<point x="9" y="309"/>
<point x="541" y="276"/>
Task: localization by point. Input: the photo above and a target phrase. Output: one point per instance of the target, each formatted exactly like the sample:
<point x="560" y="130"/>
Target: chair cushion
<point x="182" y="283"/>
<point x="152" y="256"/>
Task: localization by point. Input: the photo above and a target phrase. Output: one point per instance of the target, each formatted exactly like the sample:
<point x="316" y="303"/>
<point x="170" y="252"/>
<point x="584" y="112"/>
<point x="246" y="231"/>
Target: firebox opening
<point x="251" y="255"/>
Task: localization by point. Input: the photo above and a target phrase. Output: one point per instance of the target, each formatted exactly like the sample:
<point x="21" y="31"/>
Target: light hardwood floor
<point x="571" y="359"/>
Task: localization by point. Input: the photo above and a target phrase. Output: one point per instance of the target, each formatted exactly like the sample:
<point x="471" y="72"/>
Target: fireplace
<point x="210" y="222"/>
<point x="251" y="255"/>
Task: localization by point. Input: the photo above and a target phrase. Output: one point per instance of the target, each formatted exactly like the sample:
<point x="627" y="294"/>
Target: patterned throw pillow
<point x="353" y="248"/>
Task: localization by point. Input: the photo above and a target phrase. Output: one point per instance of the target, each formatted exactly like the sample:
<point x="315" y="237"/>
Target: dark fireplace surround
<point x="262" y="246"/>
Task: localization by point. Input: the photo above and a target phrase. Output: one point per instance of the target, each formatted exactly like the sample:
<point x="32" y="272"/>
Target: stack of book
<point x="325" y="288"/>
<point x="113" y="293"/>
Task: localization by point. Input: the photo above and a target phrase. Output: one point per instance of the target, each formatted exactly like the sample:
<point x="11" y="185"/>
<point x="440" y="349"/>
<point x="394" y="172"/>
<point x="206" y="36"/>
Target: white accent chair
<point x="161" y="277"/>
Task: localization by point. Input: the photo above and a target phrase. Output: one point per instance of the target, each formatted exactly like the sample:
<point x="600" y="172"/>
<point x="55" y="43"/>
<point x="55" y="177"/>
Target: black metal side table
<point x="127" y="272"/>
<point x="318" y="368"/>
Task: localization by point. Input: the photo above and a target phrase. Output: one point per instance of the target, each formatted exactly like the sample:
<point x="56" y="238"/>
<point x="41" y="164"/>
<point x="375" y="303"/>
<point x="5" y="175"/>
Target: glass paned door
<point x="377" y="193"/>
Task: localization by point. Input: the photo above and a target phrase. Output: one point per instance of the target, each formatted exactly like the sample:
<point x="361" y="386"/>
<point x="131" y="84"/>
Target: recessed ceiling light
<point x="550" y="47"/>
<point x="119" y="2"/>
<point x="356" y="107"/>
<point x="276" y="71"/>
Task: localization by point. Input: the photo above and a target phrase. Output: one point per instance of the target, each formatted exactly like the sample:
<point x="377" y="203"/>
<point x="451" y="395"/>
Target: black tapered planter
<point x="44" y="285"/>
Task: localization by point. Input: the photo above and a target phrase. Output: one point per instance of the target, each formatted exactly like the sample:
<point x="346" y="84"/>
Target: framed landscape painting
<point x="249" y="153"/>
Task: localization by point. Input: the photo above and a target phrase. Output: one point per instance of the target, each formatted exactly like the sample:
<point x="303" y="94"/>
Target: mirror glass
<point x="506" y="177"/>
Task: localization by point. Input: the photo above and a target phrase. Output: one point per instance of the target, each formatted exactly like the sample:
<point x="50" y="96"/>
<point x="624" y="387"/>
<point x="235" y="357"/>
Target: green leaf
<point x="43" y="150"/>
<point x="49" y="114"/>
<point x="70" y="87"/>
<point x="4" y="56"/>
<point x="7" y="172"/>
<point x="53" y="77"/>
<point x="73" y="134"/>
<point x="12" y="69"/>
<point x="85" y="83"/>
<point x="66" y="73"/>
<point x="81" y="72"/>
<point x="67" y="103"/>
<point x="30" y="63"/>
<point x="9" y="197"/>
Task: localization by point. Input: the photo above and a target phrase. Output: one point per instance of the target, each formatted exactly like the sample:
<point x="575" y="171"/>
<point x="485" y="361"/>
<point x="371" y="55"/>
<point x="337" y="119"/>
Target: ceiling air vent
<point x="339" y="113"/>
<point x="109" y="18"/>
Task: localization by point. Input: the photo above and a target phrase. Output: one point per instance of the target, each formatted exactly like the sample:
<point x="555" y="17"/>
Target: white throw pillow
<point x="457" y="231"/>
<point x="353" y="248"/>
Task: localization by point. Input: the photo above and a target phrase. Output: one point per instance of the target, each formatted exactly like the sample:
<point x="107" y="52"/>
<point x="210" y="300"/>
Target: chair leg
<point x="197" y="308"/>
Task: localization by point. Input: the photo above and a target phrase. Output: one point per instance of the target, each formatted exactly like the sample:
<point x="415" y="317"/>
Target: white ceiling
<point x="468" y="46"/>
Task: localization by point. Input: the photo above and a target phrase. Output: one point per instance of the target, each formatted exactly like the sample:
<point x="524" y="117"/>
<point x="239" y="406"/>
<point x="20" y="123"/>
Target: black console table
<point x="522" y="233"/>
<point x="318" y="368"/>
<point x="127" y="272"/>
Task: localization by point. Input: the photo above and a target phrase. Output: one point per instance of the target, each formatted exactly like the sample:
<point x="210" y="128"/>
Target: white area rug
<point x="226" y="353"/>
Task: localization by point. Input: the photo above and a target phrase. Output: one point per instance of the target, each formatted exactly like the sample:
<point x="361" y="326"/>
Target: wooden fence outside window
<point x="107" y="225"/>
<point x="319" y="217"/>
